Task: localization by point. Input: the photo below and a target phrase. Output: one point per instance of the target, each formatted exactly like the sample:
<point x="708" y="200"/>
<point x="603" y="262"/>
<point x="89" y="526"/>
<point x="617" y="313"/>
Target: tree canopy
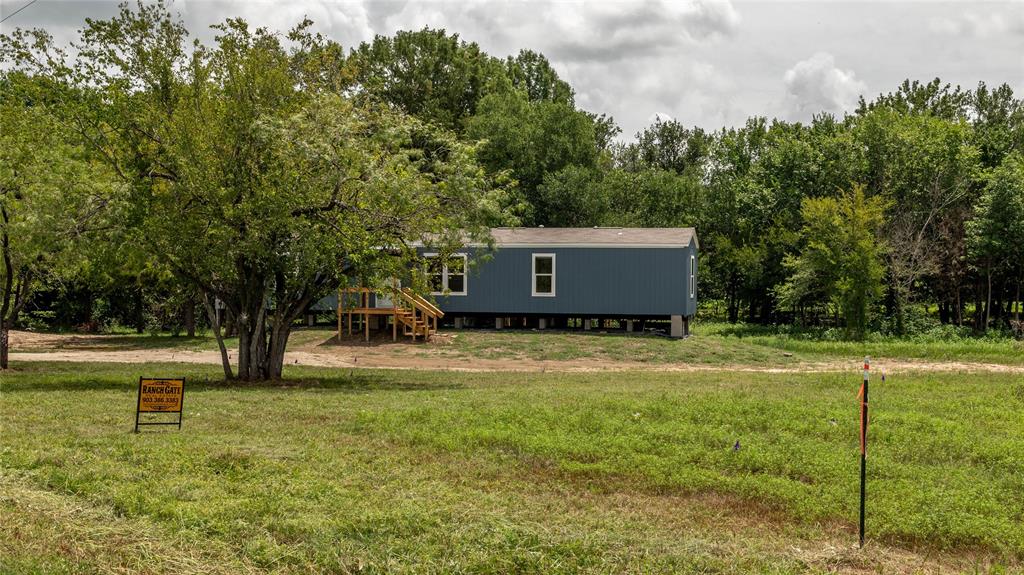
<point x="53" y="195"/>
<point x="262" y="168"/>
<point x="256" y="182"/>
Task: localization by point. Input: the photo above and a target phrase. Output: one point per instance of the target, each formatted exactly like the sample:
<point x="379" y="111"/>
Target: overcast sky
<point x="703" y="62"/>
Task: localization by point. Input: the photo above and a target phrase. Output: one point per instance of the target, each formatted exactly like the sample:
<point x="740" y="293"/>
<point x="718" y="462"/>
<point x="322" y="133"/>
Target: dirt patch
<point x="31" y="340"/>
<point x="437" y="354"/>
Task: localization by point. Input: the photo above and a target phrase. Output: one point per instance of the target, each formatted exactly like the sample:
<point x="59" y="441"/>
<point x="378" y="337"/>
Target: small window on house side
<point x="693" y="277"/>
<point x="435" y="274"/>
<point x="448" y="278"/>
<point x="455" y="275"/>
<point x="543" y="275"/>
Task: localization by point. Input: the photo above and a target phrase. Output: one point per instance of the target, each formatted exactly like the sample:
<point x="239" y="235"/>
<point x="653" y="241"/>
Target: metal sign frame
<point x="138" y="403"/>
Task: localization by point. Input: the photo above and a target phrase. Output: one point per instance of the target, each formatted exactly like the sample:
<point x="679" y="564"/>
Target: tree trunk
<point x="140" y="317"/>
<point x="225" y="360"/>
<point x="979" y="304"/>
<point x="5" y="305"/>
<point x="988" y="303"/>
<point x="230" y="325"/>
<point x="959" y="308"/>
<point x="767" y="310"/>
<point x="246" y="359"/>
<point x="258" y="358"/>
<point x="190" y="318"/>
<point x="734" y="307"/>
<point x="997" y="303"/>
<point x="252" y="339"/>
<point x="5" y="343"/>
<point x="1017" y="303"/>
<point x="14" y="298"/>
<point x="263" y="351"/>
<point x="278" y="344"/>
<point x="84" y="295"/>
<point x="244" y="350"/>
<point x="890" y="300"/>
<point x="898" y="310"/>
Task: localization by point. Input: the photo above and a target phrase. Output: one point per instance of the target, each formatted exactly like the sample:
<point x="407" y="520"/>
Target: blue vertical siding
<point x="599" y="281"/>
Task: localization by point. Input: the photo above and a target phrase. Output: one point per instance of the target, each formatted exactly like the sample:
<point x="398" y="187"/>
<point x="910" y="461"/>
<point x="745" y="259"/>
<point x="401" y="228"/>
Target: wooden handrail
<point x="405" y="297"/>
<point x="435" y="311"/>
<point x="417" y="313"/>
<point x="412" y="298"/>
<point x="418" y="303"/>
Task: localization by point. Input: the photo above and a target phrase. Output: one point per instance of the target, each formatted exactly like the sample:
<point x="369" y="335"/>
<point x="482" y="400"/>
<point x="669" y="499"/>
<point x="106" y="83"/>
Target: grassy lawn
<point x="403" y="471"/>
<point x="998" y="350"/>
<point x="726" y="344"/>
<point x="556" y="345"/>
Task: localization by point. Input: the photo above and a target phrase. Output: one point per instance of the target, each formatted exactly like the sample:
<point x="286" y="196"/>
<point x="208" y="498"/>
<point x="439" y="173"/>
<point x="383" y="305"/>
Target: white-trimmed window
<point x="448" y="278"/>
<point x="543" y="275"/>
<point x="693" y="276"/>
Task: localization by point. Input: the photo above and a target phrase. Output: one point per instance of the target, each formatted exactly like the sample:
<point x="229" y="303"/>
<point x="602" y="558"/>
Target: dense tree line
<point x="264" y="166"/>
<point x="937" y="166"/>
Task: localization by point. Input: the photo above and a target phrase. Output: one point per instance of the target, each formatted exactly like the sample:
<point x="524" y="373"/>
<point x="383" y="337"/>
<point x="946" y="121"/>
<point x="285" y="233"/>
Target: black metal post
<point x="181" y="408"/>
<point x="138" y="405"/>
<point x="863" y="446"/>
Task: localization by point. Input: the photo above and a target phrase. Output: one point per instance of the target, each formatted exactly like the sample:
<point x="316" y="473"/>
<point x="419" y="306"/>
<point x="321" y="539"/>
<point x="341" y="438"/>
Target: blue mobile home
<point x="550" y="275"/>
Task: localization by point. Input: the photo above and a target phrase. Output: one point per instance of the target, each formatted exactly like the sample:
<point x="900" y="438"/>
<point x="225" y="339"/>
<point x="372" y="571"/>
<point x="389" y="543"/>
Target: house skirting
<point x="674" y="325"/>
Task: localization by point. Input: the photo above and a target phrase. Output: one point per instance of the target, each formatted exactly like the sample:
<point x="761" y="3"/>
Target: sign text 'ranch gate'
<point x="166" y="395"/>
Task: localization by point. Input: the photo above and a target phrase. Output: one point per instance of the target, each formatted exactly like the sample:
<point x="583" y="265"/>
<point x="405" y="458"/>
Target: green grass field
<point x="404" y="471"/>
<point x="724" y="344"/>
<point x="992" y="349"/>
<point x="560" y="346"/>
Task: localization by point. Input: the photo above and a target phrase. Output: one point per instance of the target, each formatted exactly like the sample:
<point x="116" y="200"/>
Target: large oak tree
<point x="256" y="178"/>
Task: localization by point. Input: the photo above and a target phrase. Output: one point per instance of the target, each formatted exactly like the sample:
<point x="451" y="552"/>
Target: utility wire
<point x="8" y="17"/>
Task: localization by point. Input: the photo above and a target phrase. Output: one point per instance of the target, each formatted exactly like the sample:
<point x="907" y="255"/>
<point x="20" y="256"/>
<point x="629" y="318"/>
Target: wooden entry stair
<point x="416" y="315"/>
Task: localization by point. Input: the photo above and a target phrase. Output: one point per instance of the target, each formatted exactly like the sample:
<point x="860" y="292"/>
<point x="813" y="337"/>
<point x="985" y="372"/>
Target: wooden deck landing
<point x="416" y="315"/>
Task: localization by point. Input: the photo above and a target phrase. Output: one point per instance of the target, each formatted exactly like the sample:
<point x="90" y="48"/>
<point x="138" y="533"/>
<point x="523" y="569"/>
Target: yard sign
<point x="160" y="396"/>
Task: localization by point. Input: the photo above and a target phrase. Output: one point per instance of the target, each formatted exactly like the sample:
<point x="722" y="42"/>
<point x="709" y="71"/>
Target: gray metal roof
<point x="607" y="237"/>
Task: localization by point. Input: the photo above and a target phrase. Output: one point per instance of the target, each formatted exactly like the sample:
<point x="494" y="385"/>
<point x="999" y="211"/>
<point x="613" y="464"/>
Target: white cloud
<point x="980" y="25"/>
<point x="603" y="31"/>
<point x="817" y="84"/>
<point x="698" y="61"/>
<point x="713" y="17"/>
<point x="626" y="58"/>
